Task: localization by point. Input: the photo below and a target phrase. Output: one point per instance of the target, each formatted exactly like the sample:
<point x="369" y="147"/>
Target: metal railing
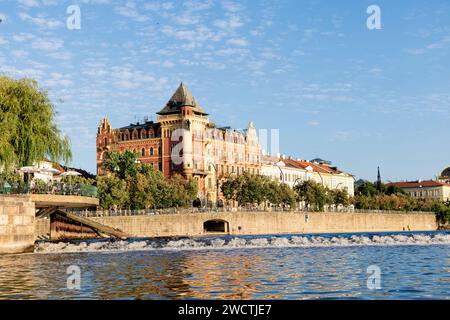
<point x="151" y="212"/>
<point x="57" y="188"/>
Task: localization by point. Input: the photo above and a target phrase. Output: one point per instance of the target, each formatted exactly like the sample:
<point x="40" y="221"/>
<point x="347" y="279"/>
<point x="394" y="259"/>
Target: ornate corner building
<point x="184" y="141"/>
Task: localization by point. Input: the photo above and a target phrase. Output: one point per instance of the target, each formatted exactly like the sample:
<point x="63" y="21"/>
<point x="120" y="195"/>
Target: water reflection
<point x="258" y="273"/>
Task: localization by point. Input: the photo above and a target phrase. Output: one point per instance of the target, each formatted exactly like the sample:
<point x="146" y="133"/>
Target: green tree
<point x="367" y="189"/>
<point x="28" y="131"/>
<point x="122" y="164"/>
<point x="249" y="189"/>
<point x="313" y="194"/>
<point x="112" y="192"/>
<point x="341" y="197"/>
<point x="146" y="187"/>
<point x="287" y="195"/>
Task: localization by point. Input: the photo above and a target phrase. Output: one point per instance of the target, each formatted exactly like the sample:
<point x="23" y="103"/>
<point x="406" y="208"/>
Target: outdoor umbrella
<point x="70" y="174"/>
<point x="50" y="170"/>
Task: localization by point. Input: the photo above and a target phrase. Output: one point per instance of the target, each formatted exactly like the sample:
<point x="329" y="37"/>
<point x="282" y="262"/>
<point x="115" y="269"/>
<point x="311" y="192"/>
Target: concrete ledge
<point x="51" y="200"/>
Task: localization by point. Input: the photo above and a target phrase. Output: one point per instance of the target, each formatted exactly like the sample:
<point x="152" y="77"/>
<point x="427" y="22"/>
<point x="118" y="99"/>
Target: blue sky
<point x="312" y="69"/>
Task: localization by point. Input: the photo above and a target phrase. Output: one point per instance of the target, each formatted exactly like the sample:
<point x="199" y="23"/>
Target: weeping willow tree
<point x="28" y="131"/>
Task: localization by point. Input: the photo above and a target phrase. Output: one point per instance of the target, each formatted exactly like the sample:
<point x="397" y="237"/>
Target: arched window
<point x="143" y="152"/>
<point x="151" y="151"/>
<point x="135" y="135"/>
<point x="143" y="134"/>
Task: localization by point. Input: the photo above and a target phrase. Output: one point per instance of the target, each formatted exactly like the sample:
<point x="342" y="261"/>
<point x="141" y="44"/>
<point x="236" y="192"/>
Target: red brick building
<point x="184" y="141"/>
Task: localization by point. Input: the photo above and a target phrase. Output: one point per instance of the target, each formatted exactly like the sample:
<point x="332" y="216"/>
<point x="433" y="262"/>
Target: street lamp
<point x="321" y="178"/>
<point x="281" y="173"/>
<point x="295" y="182"/>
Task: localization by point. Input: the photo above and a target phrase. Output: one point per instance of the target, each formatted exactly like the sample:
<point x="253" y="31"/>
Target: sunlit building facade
<point x="294" y="171"/>
<point x="184" y="141"/>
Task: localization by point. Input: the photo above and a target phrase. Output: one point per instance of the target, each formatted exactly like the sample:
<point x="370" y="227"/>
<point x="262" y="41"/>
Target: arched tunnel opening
<point x="216" y="226"/>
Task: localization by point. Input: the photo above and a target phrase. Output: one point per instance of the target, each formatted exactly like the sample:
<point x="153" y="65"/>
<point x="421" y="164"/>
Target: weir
<point x="198" y="224"/>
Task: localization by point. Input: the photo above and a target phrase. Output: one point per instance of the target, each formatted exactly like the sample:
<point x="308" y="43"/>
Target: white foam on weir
<point x="239" y="242"/>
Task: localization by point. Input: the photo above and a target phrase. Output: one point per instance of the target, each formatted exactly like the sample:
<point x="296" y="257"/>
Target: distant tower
<point x="379" y="180"/>
<point x="105" y="139"/>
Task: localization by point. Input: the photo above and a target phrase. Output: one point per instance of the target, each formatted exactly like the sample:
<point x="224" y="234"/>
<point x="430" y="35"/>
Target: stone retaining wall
<point x="17" y="232"/>
<point x="254" y="223"/>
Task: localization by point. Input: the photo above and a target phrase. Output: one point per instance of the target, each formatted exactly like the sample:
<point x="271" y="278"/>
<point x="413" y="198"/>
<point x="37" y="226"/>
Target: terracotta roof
<point x="181" y="97"/>
<point x="321" y="168"/>
<point x="418" y="184"/>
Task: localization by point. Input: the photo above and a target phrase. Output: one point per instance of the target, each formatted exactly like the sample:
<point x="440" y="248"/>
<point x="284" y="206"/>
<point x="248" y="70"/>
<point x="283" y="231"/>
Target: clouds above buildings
<point x="292" y="65"/>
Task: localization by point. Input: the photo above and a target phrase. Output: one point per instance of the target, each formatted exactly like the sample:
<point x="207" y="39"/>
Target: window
<point x="151" y="151"/>
<point x="143" y="152"/>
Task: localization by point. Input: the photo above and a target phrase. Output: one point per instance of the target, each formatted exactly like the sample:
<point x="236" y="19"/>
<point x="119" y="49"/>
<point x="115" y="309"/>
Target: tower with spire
<point x="378" y="180"/>
<point x="183" y="141"/>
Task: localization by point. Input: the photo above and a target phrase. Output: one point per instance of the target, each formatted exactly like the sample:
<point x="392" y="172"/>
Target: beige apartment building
<point x="292" y="172"/>
<point x="428" y="189"/>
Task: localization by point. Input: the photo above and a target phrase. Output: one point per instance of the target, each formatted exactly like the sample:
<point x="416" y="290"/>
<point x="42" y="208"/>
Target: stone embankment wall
<point x="17" y="229"/>
<point x="259" y="223"/>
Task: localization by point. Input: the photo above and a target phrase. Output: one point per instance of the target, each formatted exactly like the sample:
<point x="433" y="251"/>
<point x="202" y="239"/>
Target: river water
<point x="410" y="265"/>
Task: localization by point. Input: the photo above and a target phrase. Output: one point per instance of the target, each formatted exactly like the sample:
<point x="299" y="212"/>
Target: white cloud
<point x="29" y="3"/>
<point x="19" y="53"/>
<point x="37" y="3"/>
<point x="3" y="18"/>
<point x="241" y="42"/>
<point x="168" y="64"/>
<point x="158" y="6"/>
<point x="41" y="21"/>
<point x="3" y="40"/>
<point x="22" y="37"/>
<point x="47" y="44"/>
<point x="232" y="6"/>
<point x="130" y="10"/>
<point x="61" y="55"/>
<point x="232" y="23"/>
<point x="197" y="5"/>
